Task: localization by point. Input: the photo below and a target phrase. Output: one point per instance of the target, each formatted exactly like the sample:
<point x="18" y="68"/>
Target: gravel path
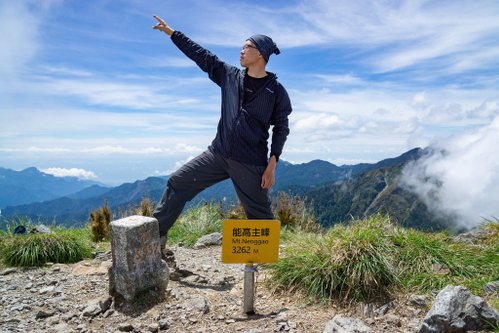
<point x="74" y="298"/>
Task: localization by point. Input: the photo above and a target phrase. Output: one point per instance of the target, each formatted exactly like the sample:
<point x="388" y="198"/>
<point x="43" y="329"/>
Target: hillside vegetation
<point x="335" y="193"/>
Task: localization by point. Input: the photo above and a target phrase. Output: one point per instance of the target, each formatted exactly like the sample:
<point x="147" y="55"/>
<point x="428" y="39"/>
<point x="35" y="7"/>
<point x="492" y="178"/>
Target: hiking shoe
<point x="162" y="242"/>
<point x="167" y="255"/>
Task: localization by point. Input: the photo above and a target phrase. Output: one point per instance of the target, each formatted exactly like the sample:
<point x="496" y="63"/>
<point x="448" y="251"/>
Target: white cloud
<point x="170" y="62"/>
<point x="19" y="38"/>
<point x="129" y="95"/>
<point x="343" y="79"/>
<point x="71" y="172"/>
<point x="453" y="36"/>
<point x="178" y="165"/>
<point x="315" y="122"/>
<point x="110" y="150"/>
<point x="35" y="149"/>
<point x="178" y="148"/>
<point x="410" y="32"/>
<point x="61" y="70"/>
<point x="460" y="176"/>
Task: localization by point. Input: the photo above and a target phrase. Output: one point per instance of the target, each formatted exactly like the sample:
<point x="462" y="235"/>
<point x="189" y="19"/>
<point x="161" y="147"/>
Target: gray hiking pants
<point x="208" y="169"/>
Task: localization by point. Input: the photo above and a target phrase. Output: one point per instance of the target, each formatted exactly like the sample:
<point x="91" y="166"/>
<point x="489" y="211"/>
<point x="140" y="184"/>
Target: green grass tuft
<point x="367" y="260"/>
<point x="348" y="262"/>
<point x="60" y="246"/>
<point x="196" y="222"/>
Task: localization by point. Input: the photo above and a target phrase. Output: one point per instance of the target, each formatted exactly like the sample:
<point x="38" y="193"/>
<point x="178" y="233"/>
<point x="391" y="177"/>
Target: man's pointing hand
<point x="163" y="26"/>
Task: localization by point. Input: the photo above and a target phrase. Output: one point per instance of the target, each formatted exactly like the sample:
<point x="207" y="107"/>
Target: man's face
<point x="249" y="54"/>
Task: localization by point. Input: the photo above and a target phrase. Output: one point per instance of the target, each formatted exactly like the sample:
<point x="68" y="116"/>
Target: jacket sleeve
<point x="206" y="60"/>
<point x="281" y="123"/>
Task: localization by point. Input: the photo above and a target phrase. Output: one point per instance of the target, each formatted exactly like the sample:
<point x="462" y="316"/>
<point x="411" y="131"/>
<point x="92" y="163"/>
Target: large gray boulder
<point x="137" y="264"/>
<point x="456" y="310"/>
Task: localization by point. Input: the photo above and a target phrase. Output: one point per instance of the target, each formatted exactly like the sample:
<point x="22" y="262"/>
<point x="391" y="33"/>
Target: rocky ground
<point x="74" y="298"/>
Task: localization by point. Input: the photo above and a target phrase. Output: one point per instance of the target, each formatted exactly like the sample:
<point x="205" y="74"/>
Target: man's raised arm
<point x="207" y="61"/>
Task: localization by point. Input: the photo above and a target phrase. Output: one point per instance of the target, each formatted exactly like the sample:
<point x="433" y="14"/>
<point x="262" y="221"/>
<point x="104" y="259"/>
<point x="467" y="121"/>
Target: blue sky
<point x="88" y="88"/>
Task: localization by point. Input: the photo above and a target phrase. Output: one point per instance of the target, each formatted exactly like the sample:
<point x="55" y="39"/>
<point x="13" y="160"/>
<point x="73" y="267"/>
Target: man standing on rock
<point x="252" y="101"/>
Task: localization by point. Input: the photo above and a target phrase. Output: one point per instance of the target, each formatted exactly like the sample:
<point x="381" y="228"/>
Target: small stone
<point x="40" y="229"/>
<point x="191" y="279"/>
<point x="281" y="317"/>
<point x="207" y="240"/>
<point x="81" y="328"/>
<point x="8" y="271"/>
<point x="46" y="290"/>
<point x="346" y="324"/>
<point x="70" y="315"/>
<point x="53" y="320"/>
<point x="42" y="313"/>
<point x="283" y="326"/>
<point x="417" y="300"/>
<point x="20" y="307"/>
<point x="440" y="269"/>
<point x="199" y="303"/>
<point x="163" y="324"/>
<point x="152" y="328"/>
<point x="125" y="327"/>
<point x="62" y="328"/>
<point x="108" y="313"/>
<point x="105" y="303"/>
<point x="393" y="320"/>
<point x="369" y="321"/>
<point x="92" y="309"/>
<point x="382" y="310"/>
<point x="491" y="287"/>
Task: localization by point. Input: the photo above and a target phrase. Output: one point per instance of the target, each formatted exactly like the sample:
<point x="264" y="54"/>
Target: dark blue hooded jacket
<point x="243" y="129"/>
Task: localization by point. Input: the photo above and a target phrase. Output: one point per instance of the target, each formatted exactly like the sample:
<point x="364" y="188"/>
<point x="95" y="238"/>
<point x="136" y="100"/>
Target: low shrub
<point x="99" y="223"/>
<point x="235" y="212"/>
<point x="293" y="214"/>
<point x="146" y="207"/>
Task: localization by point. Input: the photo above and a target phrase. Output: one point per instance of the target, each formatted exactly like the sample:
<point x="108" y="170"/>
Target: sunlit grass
<point x="368" y="259"/>
<point x="196" y="222"/>
<point x="61" y="245"/>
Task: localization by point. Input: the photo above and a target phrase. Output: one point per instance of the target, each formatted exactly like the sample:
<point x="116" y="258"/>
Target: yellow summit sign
<point x="250" y="241"/>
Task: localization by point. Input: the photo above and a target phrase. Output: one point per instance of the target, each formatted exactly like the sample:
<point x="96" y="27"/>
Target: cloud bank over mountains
<point x="460" y="176"/>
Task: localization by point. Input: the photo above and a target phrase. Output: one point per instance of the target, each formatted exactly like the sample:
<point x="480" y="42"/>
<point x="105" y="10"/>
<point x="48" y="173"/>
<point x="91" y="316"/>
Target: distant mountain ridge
<point x="32" y="185"/>
<point x="323" y="183"/>
<point x="376" y="190"/>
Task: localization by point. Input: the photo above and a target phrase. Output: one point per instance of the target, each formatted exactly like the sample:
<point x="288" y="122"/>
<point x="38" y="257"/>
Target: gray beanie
<point x="265" y="45"/>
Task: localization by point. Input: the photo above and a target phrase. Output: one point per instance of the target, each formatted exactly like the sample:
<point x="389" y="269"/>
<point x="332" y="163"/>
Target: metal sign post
<point x="249" y="242"/>
<point x="249" y="288"/>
